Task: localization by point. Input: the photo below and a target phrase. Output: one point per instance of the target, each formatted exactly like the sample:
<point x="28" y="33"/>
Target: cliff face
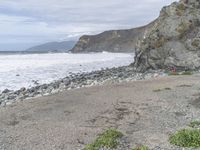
<point x="111" y="41"/>
<point x="174" y="39"/>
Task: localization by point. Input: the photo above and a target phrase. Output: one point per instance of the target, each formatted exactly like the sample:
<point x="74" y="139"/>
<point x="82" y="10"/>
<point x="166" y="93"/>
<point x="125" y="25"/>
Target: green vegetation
<point x="183" y="27"/>
<point x="160" y="42"/>
<point x="167" y="88"/>
<point x="141" y="148"/>
<point x="196" y="43"/>
<point x="186" y="138"/>
<point x="180" y="73"/>
<point x="107" y="139"/>
<point x="159" y="90"/>
<point x="180" y="9"/>
<point x="194" y="124"/>
<point x="186" y="73"/>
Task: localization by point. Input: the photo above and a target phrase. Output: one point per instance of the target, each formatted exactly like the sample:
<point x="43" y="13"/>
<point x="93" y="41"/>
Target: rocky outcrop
<point x="111" y="41"/>
<point x="173" y="41"/>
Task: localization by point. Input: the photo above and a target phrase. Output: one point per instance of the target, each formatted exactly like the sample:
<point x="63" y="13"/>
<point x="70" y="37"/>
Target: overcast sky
<point x="24" y="23"/>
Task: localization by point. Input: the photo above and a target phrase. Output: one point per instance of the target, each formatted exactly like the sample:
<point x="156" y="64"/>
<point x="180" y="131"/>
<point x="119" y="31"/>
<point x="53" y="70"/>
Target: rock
<point x="11" y="97"/>
<point x="6" y="91"/>
<point x="113" y="75"/>
<point x="3" y="104"/>
<point x="44" y="87"/>
<point x="23" y="89"/>
<point x="111" y="41"/>
<point x="173" y="41"/>
<point x="35" y="82"/>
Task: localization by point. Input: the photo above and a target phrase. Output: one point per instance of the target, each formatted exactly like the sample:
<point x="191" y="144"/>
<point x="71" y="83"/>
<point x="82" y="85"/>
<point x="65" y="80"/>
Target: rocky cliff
<point x="111" y="41"/>
<point x="173" y="41"/>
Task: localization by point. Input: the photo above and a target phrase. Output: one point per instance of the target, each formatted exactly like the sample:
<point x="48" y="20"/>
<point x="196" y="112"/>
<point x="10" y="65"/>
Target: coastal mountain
<point x="173" y="41"/>
<point x="111" y="41"/>
<point x="53" y="47"/>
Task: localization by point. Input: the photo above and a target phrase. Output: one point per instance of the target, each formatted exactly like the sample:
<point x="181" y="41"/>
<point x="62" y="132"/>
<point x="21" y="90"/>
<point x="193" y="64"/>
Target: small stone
<point x="23" y="89"/>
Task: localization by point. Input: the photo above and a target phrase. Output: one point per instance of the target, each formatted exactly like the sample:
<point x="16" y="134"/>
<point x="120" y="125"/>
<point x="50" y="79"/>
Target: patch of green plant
<point x="108" y="139"/>
<point x="194" y="124"/>
<point x="178" y="73"/>
<point x="157" y="90"/>
<point x="180" y="9"/>
<point x="167" y="88"/>
<point x="183" y="27"/>
<point x="186" y="73"/>
<point x="160" y="42"/>
<point x="196" y="42"/>
<point x="141" y="148"/>
<point x="189" y="138"/>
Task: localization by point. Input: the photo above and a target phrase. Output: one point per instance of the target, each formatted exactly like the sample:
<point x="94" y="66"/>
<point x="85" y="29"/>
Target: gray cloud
<point x="37" y="21"/>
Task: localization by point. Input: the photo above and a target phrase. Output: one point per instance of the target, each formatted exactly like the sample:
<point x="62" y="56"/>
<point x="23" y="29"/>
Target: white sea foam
<point x="18" y="71"/>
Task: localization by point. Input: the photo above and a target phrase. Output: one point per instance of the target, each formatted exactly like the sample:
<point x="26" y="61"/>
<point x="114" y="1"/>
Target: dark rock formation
<point x="173" y="41"/>
<point x="111" y="41"/>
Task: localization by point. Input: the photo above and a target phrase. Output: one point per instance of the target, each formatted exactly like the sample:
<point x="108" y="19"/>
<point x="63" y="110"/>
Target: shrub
<point x="186" y="73"/>
<point x="183" y="27"/>
<point x="180" y="9"/>
<point x="141" y="148"/>
<point x="178" y="73"/>
<point x="189" y="138"/>
<point x="194" y="124"/>
<point x="157" y="90"/>
<point x="167" y="89"/>
<point x="160" y="42"/>
<point x="107" y="139"/>
<point x="196" y="43"/>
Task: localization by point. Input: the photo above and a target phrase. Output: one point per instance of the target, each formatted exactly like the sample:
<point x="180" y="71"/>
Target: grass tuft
<point x="165" y="89"/>
<point x="189" y="138"/>
<point x="168" y="89"/>
<point x="178" y="73"/>
<point x="141" y="148"/>
<point x="187" y="73"/>
<point x="108" y="139"/>
<point x="157" y="90"/>
<point x="194" y="124"/>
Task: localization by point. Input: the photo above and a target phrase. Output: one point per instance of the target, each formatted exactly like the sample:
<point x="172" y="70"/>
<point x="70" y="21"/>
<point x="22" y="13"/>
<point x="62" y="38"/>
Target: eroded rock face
<point x="111" y="41"/>
<point x="173" y="41"/>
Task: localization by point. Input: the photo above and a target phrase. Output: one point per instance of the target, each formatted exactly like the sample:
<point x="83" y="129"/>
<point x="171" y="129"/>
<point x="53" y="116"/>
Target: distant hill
<point x="111" y="41"/>
<point x="53" y="47"/>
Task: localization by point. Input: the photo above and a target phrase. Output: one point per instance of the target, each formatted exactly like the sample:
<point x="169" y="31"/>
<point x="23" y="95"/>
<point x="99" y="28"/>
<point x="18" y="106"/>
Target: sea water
<point x="24" y="70"/>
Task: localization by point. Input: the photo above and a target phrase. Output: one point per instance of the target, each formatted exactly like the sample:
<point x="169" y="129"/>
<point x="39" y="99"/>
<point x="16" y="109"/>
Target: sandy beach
<point x="146" y="112"/>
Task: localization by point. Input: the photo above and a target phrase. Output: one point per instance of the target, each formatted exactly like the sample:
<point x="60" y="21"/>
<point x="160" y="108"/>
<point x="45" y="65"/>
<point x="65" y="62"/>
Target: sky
<point x="24" y="23"/>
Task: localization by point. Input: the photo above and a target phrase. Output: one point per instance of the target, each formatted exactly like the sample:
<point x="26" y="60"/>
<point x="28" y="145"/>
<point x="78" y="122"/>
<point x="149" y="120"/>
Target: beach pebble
<point x="6" y="91"/>
<point x="108" y="76"/>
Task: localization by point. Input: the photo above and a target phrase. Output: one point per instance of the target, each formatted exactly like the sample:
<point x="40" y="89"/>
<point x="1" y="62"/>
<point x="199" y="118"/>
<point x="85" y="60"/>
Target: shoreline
<point x="75" y="81"/>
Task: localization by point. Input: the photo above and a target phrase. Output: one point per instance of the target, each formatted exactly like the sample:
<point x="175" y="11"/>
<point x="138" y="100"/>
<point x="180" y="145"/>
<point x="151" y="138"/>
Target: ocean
<point x="19" y="70"/>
